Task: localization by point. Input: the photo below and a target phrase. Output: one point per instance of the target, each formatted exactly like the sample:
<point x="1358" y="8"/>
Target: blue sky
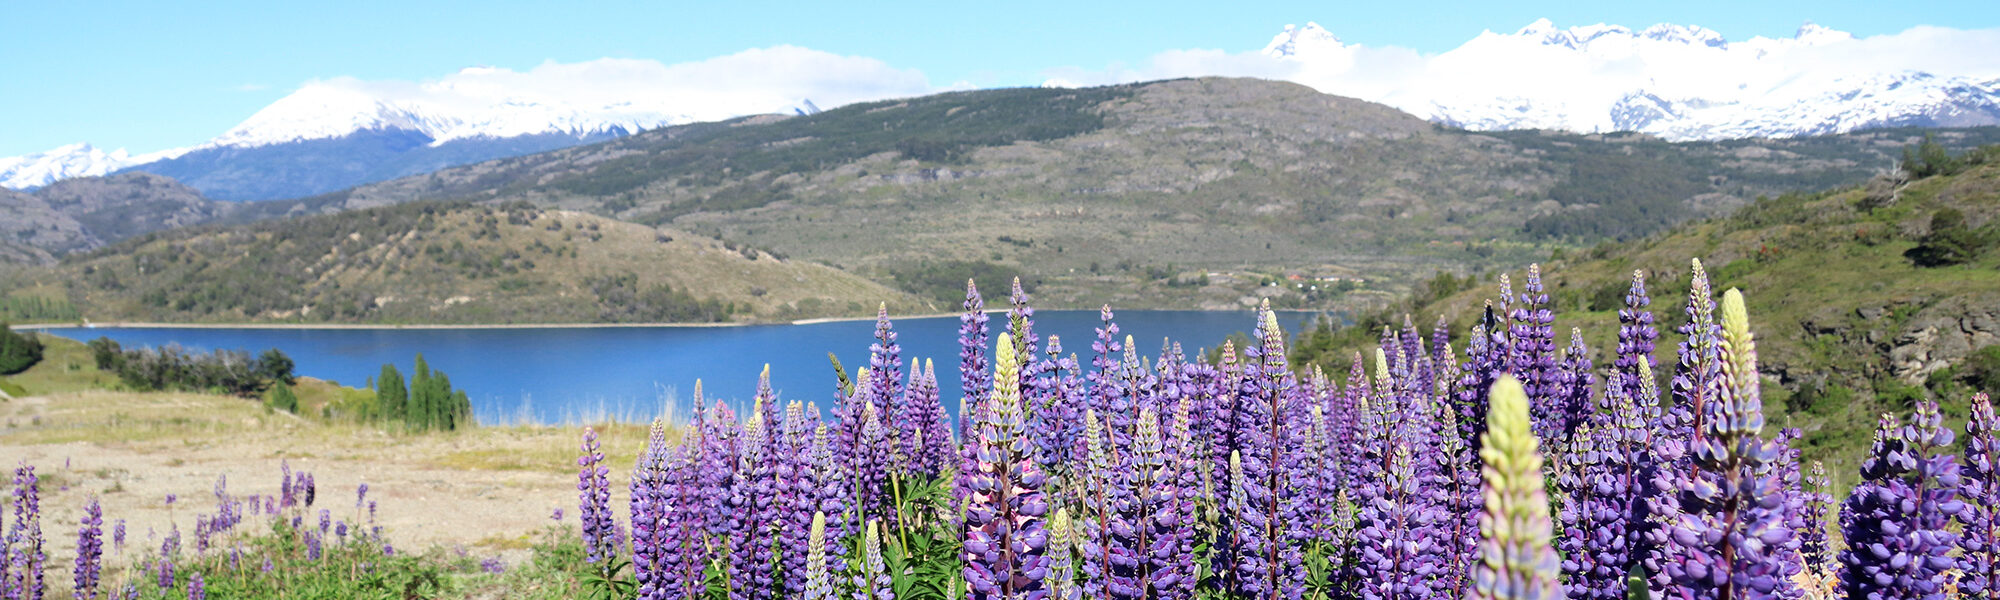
<point x="153" y="75"/>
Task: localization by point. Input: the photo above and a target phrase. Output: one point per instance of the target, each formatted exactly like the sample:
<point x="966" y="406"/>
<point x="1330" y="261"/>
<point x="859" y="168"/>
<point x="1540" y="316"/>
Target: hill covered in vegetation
<point x="1109" y="194"/>
<point x="446" y="262"/>
<point x="1866" y="298"/>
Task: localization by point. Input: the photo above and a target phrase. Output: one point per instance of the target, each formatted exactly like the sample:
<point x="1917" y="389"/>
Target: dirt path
<point x="488" y="490"/>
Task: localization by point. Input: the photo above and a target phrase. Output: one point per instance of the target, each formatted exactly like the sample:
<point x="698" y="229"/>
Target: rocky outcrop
<point x="1943" y="334"/>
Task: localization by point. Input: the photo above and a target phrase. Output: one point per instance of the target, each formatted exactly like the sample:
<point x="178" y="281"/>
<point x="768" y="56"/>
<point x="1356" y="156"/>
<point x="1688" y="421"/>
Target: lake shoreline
<point x="368" y="326"/>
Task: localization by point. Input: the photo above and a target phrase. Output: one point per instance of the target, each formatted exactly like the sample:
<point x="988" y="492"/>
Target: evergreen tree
<point x="441" y="401"/>
<point x="391" y="398"/>
<point x="417" y="412"/>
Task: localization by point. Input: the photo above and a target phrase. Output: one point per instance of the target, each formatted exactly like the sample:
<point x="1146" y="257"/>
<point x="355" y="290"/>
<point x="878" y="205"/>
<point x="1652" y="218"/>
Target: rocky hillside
<point x="1107" y="194"/>
<point x="1862" y="298"/>
<point x="431" y="262"/>
<point x="90" y="212"/>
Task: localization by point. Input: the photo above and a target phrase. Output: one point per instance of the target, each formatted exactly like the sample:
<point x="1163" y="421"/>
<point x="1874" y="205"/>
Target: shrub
<point x="17" y="351"/>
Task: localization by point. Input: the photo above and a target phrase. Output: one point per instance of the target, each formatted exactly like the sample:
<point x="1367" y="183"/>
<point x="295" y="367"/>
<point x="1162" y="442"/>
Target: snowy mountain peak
<point x="1693" y="35"/>
<point x="1815" y="34"/>
<point x="1679" y="81"/>
<point x="1297" y="41"/>
<point x="73" y="160"/>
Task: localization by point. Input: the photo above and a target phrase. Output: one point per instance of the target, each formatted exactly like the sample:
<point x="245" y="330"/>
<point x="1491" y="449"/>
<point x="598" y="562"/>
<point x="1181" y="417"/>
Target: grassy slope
<point x="1237" y="176"/>
<point x="448" y="263"/>
<point x="1828" y="289"/>
<point x="128" y="450"/>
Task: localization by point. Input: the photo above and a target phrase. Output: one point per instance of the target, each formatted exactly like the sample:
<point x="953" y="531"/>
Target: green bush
<point x="1982" y="369"/>
<point x="17" y="351"/>
<point x="281" y="397"/>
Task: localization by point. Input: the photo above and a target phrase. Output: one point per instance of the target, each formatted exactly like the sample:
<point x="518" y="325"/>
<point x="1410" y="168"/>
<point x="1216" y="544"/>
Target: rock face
<point x="1944" y="335"/>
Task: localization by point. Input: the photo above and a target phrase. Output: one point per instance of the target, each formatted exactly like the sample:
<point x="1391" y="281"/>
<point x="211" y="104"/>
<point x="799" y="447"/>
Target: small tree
<point x="273" y="365"/>
<point x="282" y="398"/>
<point x="391" y="397"/>
<point x="1949" y="242"/>
<point x="17" y="351"/>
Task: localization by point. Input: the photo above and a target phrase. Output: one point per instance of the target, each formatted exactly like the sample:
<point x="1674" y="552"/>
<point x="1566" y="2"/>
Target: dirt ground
<point x="486" y="491"/>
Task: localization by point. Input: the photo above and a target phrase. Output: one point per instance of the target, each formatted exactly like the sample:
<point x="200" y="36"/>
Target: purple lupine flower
<point x="798" y="495"/>
<point x="927" y="441"/>
<point x="1485" y="360"/>
<point x="171" y="546"/>
<point x="683" y="524"/>
<point x="652" y="493"/>
<point x="1174" y="519"/>
<point x="313" y="545"/>
<point x="1574" y="384"/>
<point x="1730" y="533"/>
<point x="850" y="412"/>
<point x="1110" y="561"/>
<point x="1813" y="546"/>
<point x="1004" y="539"/>
<point x="1455" y="476"/>
<point x="118" y="537"/>
<point x="23" y="562"/>
<point x="196" y="590"/>
<point x="752" y="515"/>
<point x="309" y="487"/>
<point x="165" y="573"/>
<point x="1898" y="520"/>
<point x="885" y="362"/>
<point x="1395" y="524"/>
<point x="1055" y="426"/>
<point x="1980" y="538"/>
<point x="554" y="515"/>
<point x="89" y="551"/>
<point x="1532" y="358"/>
<point x="972" y="375"/>
<point x="1592" y="516"/>
<point x="1693" y="391"/>
<point x="829" y="483"/>
<point x="1784" y="468"/>
<point x="361" y="494"/>
<point x="593" y="487"/>
<point x="1636" y="335"/>
<point x="717" y="473"/>
<point x="1106" y="397"/>
<point x="325" y="520"/>
<point x="493" y="565"/>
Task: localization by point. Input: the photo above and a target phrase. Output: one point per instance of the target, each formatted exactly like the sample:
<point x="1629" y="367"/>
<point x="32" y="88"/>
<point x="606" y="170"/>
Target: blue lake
<point x="567" y="375"/>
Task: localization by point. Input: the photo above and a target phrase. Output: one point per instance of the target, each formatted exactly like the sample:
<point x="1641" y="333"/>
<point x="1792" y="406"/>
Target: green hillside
<point x="1129" y="194"/>
<point x="446" y="262"/>
<point x="1863" y="298"/>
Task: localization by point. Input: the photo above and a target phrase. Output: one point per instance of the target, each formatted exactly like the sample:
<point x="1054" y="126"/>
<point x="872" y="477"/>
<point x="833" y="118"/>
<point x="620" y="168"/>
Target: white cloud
<point x="251" y="87"/>
<point x="582" y="96"/>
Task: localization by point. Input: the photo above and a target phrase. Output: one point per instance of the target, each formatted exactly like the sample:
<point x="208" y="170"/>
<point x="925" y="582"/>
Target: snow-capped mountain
<point x="460" y="108"/>
<point x="1680" y="82"/>
<point x="335" y="133"/>
<point x="74" y="160"/>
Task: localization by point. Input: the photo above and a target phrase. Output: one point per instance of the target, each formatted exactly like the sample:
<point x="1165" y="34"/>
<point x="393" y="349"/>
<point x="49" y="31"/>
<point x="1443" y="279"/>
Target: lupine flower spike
<point x="1515" y="561"/>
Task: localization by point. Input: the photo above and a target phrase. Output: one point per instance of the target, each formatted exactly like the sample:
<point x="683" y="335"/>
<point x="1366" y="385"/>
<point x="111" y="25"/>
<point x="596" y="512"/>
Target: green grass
<point x="66" y="366"/>
<point x="1828" y="290"/>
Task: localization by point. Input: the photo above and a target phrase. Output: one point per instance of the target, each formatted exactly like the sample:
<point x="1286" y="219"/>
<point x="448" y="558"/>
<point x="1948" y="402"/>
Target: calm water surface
<point x="562" y="375"/>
